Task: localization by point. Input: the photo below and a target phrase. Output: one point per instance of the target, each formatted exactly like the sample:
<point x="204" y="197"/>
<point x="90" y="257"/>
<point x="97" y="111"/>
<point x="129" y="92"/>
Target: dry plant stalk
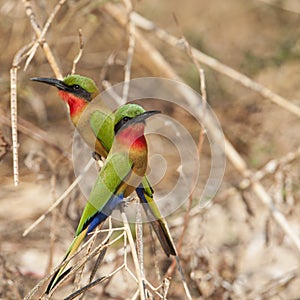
<point x="140" y="279"/>
<point x="130" y="51"/>
<point x="41" y="34"/>
<point x="77" y="58"/>
<point x="199" y="148"/>
<point x="14" y="122"/>
<point x="20" y="55"/>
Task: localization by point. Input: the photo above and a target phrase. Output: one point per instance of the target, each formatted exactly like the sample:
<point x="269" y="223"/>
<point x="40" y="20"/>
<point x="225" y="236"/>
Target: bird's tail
<point x="61" y="273"/>
<point x="157" y="221"/>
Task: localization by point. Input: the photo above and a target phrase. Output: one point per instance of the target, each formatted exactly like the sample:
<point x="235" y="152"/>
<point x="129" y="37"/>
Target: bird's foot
<point x="96" y="156"/>
<point x="126" y="201"/>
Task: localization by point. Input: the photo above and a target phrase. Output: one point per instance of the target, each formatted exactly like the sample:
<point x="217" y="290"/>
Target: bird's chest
<point x="139" y="159"/>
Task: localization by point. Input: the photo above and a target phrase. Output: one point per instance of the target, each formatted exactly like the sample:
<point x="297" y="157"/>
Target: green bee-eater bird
<point x="97" y="129"/>
<point x="122" y="172"/>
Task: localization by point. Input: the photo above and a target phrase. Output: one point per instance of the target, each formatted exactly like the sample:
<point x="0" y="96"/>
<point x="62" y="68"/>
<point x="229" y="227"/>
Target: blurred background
<point x="233" y="248"/>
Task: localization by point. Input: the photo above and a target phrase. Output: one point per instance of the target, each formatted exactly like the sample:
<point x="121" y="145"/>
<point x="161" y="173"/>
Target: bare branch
<point x="14" y="122"/>
<point x="134" y="254"/>
<point x="130" y="51"/>
<point x="41" y="33"/>
<point x="78" y="56"/>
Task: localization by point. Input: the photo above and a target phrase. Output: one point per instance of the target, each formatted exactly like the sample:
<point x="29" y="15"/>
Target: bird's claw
<point x="96" y="156"/>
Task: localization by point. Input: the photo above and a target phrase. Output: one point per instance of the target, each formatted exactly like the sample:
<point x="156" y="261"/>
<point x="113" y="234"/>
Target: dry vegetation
<point x="246" y="243"/>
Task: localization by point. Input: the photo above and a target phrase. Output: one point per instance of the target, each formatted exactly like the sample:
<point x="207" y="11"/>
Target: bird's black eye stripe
<point x="121" y="123"/>
<point x="77" y="90"/>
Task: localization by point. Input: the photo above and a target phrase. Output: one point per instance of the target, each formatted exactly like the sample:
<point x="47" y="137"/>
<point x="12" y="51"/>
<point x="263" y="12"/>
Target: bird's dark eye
<point x="123" y="121"/>
<point x="76" y="87"/>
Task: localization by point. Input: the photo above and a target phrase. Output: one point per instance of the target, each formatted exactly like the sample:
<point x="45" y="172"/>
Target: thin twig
<point x="199" y="149"/>
<point x="130" y="51"/>
<point x="14" y="128"/>
<point x="78" y="56"/>
<point x="139" y="239"/>
<point x="270" y="168"/>
<point x="88" y="286"/>
<point x="54" y="219"/>
<point x="104" y="244"/>
<point x="13" y="108"/>
<point x="134" y="254"/>
<point x="40" y="33"/>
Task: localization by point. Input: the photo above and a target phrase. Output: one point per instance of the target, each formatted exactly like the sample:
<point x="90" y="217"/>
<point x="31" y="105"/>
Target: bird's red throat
<point x="133" y="136"/>
<point x="76" y="105"/>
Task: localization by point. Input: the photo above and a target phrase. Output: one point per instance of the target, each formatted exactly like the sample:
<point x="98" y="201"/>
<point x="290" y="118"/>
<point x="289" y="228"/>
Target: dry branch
<point x="41" y="33"/>
<point x="130" y="51"/>
<point x="78" y="56"/>
<point x="14" y="129"/>
<point x="140" y="279"/>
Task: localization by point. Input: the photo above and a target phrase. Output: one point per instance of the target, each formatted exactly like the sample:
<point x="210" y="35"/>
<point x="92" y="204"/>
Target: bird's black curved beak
<point x="51" y="81"/>
<point x="142" y="117"/>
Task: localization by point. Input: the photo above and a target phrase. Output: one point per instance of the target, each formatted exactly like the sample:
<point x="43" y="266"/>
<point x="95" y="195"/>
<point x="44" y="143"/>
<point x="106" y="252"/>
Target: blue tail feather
<point x="102" y="215"/>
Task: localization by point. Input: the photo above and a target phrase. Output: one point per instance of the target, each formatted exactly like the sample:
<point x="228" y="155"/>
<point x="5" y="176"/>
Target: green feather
<point x="86" y="83"/>
<point x="116" y="168"/>
<point x="129" y="110"/>
<point x="102" y="126"/>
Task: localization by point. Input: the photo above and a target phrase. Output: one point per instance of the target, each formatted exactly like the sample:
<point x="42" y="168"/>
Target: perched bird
<point x="122" y="171"/>
<point x="97" y="129"/>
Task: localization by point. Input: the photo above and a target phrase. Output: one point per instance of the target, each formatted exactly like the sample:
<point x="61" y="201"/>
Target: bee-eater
<point x="122" y="172"/>
<point x="97" y="129"/>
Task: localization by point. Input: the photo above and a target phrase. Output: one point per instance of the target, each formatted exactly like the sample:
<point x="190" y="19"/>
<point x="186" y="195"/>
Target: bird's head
<point x="130" y="115"/>
<point x="77" y="85"/>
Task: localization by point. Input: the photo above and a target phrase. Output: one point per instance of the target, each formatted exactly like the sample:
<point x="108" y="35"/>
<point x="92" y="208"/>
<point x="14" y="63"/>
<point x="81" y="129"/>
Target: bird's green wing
<point x="108" y="184"/>
<point x="102" y="126"/>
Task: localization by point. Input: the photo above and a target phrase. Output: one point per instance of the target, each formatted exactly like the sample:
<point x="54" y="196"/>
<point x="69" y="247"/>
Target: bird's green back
<point x="108" y="184"/>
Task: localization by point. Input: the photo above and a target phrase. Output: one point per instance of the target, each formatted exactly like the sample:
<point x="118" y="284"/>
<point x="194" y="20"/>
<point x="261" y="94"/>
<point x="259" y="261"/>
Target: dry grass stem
<point x="78" y="56"/>
<point x="130" y="51"/>
<point x="134" y="255"/>
<point x="40" y="34"/>
<point x="14" y="128"/>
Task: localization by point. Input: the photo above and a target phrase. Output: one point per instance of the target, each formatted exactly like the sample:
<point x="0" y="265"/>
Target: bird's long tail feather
<point x="157" y="222"/>
<point x="61" y="273"/>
